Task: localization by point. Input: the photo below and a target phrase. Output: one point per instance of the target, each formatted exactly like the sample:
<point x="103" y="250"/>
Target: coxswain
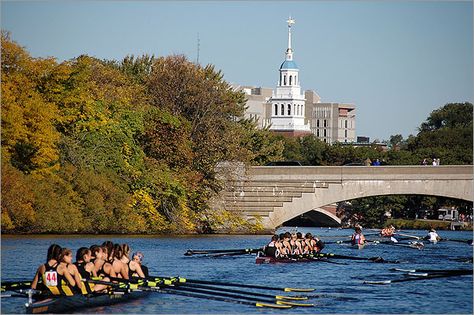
<point x="270" y="250"/>
<point x="358" y="238"/>
<point x="138" y="258"/>
<point x="134" y="268"/>
<point x="52" y="261"/>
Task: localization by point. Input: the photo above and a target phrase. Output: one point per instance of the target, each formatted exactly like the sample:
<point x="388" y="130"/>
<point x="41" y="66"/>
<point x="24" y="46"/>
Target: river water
<point x="339" y="287"/>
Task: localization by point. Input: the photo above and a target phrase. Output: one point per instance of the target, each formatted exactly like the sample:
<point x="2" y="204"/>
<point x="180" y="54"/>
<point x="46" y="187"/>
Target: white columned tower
<point x="287" y="101"/>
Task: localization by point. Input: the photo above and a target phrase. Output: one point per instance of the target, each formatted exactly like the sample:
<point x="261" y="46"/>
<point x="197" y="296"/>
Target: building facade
<point x="288" y="111"/>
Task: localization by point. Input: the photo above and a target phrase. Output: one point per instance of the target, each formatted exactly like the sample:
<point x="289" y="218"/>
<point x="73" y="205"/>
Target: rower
<point x="286" y="243"/>
<point x="52" y="260"/>
<point x="358" y="238"/>
<point x="432" y="236"/>
<point x="295" y="245"/>
<point x="318" y="244"/>
<point x="120" y="268"/>
<point x="86" y="268"/>
<point x="134" y="268"/>
<point x="68" y="277"/>
<point x="103" y="265"/>
<point x="388" y="231"/>
<point x="283" y="250"/>
<point x="308" y="245"/>
<point x="270" y="249"/>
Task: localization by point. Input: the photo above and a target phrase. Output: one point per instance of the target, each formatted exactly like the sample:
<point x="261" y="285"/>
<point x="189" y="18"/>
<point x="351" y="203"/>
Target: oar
<point x="419" y="247"/>
<point x="277" y="297"/>
<point x="223" y="299"/>
<point x="235" y="296"/>
<point x="142" y="281"/>
<point x="191" y="252"/>
<point x="230" y="284"/>
<point x="15" y="285"/>
<point x="227" y="254"/>
<point x="443" y="275"/>
<point x="434" y="270"/>
<point x="410" y="236"/>
<point x="170" y="290"/>
<point x="374" y="259"/>
<point x="470" y="242"/>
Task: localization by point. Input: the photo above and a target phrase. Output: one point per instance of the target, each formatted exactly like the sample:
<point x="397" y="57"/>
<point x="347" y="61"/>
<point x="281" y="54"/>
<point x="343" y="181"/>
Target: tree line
<point x="131" y="146"/>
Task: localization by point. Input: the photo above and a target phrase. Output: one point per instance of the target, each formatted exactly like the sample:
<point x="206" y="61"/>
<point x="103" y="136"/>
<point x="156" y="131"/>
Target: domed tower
<point x="288" y="112"/>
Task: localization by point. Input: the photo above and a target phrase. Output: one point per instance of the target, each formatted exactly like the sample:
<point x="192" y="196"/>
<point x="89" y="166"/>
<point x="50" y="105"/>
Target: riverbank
<point x="427" y="224"/>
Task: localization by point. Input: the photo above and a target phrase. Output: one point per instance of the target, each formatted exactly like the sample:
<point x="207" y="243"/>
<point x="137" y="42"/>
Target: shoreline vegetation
<point x="131" y="146"/>
<point x="427" y="224"/>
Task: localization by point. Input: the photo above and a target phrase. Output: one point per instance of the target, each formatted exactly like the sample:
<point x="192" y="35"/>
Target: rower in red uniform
<point x="358" y="238"/>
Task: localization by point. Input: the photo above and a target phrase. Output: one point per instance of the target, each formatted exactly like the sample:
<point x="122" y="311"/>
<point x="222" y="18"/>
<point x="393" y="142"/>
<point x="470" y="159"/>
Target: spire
<point x="289" y="51"/>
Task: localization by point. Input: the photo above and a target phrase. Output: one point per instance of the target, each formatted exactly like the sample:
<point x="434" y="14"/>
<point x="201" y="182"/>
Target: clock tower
<point x="287" y="101"/>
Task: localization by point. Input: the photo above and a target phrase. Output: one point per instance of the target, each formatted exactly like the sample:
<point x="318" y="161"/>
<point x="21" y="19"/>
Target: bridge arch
<point x="277" y="194"/>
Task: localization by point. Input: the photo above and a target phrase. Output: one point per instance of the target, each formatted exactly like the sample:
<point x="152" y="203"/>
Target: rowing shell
<point x="63" y="304"/>
<point x="272" y="260"/>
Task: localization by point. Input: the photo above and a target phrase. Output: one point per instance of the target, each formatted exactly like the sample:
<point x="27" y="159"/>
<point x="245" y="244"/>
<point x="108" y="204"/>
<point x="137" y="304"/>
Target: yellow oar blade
<point x="286" y="297"/>
<point x="271" y="305"/>
<point x="298" y="290"/>
<point x="294" y="304"/>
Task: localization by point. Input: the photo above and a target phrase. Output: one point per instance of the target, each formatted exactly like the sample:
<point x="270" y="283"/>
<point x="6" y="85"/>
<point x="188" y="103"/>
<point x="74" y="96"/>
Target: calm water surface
<point x="339" y="288"/>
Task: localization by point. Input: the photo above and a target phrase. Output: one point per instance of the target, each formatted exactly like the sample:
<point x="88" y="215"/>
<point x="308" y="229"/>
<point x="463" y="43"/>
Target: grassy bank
<point x="425" y="224"/>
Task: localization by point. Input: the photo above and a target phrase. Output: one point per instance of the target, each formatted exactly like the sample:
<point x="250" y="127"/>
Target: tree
<point x="29" y="137"/>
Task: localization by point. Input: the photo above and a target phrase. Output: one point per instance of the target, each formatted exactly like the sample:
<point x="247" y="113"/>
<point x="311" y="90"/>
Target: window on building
<point x="291" y="77"/>
<point x="345" y="124"/>
<point x="294" y="109"/>
<point x="317" y="133"/>
<point x="317" y="123"/>
<point x="284" y="80"/>
<point x="289" y="109"/>
<point x="325" y="123"/>
<point x="282" y="109"/>
<point x="345" y="133"/>
<point x="276" y="109"/>
<point x="324" y="133"/>
<point x="296" y="82"/>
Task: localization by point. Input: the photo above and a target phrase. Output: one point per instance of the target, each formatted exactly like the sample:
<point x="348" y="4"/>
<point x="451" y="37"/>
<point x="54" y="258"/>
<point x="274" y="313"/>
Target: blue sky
<point x="395" y="60"/>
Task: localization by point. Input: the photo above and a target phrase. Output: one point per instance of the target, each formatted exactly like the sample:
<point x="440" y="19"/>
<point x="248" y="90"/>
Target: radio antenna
<point x="198" y="47"/>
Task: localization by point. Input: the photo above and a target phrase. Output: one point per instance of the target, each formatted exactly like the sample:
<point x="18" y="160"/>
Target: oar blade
<point x="378" y="282"/>
<point x="270" y="305"/>
<point x="298" y="290"/>
<point x="293" y="298"/>
<point x="295" y="304"/>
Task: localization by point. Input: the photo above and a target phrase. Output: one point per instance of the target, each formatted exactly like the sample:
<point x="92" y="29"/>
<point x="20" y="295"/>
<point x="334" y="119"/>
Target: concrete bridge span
<point x="274" y="195"/>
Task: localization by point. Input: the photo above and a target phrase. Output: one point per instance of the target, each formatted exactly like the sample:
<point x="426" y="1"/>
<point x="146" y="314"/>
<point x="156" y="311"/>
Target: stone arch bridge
<point x="275" y="195"/>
